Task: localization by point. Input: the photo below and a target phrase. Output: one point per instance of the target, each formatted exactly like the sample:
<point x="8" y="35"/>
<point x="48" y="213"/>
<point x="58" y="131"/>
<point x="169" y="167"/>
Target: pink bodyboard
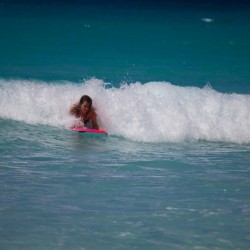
<point x="90" y="130"/>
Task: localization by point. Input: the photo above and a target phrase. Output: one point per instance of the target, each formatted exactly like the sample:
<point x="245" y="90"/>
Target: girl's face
<point x="85" y="107"/>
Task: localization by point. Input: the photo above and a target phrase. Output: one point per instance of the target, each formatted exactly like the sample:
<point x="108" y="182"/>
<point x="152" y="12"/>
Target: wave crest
<point x="150" y="112"/>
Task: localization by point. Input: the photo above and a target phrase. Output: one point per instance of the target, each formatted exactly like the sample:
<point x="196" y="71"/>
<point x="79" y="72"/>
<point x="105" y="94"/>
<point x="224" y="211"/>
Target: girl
<point x="85" y="112"/>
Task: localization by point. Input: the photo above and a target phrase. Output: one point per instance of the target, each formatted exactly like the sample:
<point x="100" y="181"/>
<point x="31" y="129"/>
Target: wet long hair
<point x="76" y="108"/>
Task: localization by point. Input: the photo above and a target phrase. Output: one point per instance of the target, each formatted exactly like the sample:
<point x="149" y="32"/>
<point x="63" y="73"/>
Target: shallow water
<point x="68" y="190"/>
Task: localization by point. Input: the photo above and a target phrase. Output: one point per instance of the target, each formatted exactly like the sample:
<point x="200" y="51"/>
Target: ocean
<point x="170" y="84"/>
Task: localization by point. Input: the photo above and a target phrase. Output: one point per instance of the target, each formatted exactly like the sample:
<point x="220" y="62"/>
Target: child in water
<point x="85" y="112"/>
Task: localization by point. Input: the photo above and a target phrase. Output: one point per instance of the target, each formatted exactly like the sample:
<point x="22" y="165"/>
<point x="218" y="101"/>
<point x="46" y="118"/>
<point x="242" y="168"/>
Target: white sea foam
<point x="207" y="20"/>
<point x="152" y="112"/>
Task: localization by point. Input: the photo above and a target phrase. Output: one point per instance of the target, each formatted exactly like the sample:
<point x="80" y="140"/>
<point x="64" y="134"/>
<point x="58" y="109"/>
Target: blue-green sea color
<point x="170" y="82"/>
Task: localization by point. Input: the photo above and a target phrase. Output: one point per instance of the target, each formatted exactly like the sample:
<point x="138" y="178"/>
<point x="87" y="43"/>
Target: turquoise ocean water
<point x="170" y="82"/>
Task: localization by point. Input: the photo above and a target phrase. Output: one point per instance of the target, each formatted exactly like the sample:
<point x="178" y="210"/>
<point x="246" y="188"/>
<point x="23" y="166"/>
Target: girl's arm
<point x="74" y="110"/>
<point x="94" y="122"/>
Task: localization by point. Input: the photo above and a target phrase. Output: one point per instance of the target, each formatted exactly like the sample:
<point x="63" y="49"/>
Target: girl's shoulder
<point x="93" y="111"/>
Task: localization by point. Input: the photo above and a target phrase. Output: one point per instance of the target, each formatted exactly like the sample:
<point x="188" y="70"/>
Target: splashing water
<point x="151" y="112"/>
